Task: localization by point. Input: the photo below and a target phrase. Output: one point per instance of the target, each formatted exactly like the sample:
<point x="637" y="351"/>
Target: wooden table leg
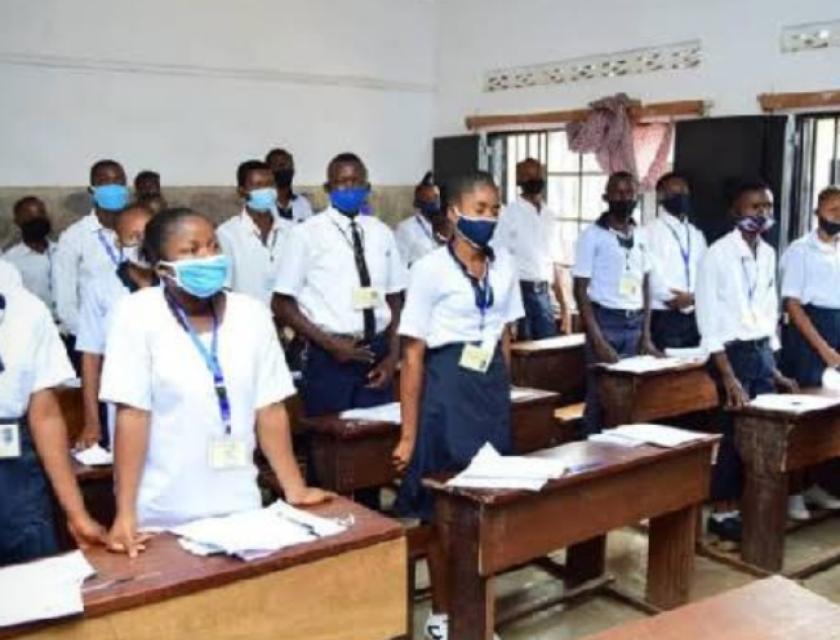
<point x="764" y="509"/>
<point x="472" y="605"/>
<point x="671" y="541"/>
<point x="585" y="561"/>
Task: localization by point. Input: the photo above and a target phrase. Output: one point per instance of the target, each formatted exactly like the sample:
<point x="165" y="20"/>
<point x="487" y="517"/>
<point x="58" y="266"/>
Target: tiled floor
<point x="627" y="550"/>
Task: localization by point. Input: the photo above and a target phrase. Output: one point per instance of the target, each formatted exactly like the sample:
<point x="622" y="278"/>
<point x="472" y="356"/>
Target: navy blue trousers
<point x="753" y="366"/>
<point x="799" y="360"/>
<point x="623" y="331"/>
<point x="27" y="529"/>
<point x="539" y="321"/>
<point x="673" y="330"/>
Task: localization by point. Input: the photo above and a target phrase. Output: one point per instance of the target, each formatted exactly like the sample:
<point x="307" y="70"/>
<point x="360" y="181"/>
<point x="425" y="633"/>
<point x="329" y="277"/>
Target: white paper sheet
<point x="831" y="379"/>
<point x="43" y="590"/>
<point x="690" y="354"/>
<point x="795" y="403"/>
<point x="94" y="456"/>
<point x="643" y="364"/>
<point x="383" y="413"/>
<point x="655" y="434"/>
<point x="614" y="438"/>
<point x="522" y="393"/>
<point x="491" y="470"/>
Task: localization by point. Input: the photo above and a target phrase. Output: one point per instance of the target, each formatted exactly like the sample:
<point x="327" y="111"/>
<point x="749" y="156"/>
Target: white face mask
<point x="132" y="254"/>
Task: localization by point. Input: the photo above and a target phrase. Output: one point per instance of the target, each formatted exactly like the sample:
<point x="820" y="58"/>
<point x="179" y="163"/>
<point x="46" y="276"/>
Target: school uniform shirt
<point x="33" y="355"/>
<point x="676" y="249"/>
<point x="736" y="293"/>
<point x="301" y="208"/>
<point x="616" y="273"/>
<point x="811" y="272"/>
<point x="35" y="270"/>
<point x="253" y="265"/>
<point x="318" y="269"/>
<point x="415" y="238"/>
<point x="530" y="235"/>
<point x="152" y="364"/>
<point x="84" y="249"/>
<point x="9" y="274"/>
<point x="98" y="300"/>
<point x="440" y="304"/>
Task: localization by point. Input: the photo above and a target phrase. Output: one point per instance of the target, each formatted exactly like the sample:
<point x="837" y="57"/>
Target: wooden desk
<point x="772" y="444"/>
<point x="349" y="455"/>
<point x="487" y="532"/>
<point x="770" y="609"/>
<point x="653" y="395"/>
<point x="555" y="364"/>
<point x="347" y="587"/>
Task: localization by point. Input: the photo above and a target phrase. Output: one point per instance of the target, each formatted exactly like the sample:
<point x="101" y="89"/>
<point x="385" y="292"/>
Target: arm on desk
<point x="603" y="351"/>
<point x="49" y="434"/>
<point x="736" y="397"/>
<point x="411" y="382"/>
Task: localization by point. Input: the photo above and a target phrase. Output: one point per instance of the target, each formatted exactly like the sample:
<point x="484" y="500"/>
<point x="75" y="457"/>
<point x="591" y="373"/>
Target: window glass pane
<point x="560" y="159"/>
<point x="823" y="154"/>
<point x="590" y="164"/>
<point x="569" y="232"/>
<point x="592" y="204"/>
<point x="562" y="195"/>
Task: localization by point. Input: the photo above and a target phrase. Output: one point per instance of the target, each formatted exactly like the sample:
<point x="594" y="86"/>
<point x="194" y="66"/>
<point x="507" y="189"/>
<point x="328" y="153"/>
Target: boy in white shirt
<point x="291" y="206"/>
<point x="428" y="228"/>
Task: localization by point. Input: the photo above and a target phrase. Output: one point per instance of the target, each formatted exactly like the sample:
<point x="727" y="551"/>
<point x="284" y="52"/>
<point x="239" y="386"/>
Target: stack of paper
<point x="644" y="364"/>
<point x="94" y="456"/>
<point x="689" y="354"/>
<point x="43" y="590"/>
<point x="491" y="470"/>
<point x="794" y="403"/>
<point x="382" y="413"/>
<point x="655" y="434"/>
<point x="255" y="534"/>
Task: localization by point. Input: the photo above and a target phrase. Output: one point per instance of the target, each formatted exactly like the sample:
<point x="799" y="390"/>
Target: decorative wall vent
<point x="682" y="55"/>
<point x="817" y="35"/>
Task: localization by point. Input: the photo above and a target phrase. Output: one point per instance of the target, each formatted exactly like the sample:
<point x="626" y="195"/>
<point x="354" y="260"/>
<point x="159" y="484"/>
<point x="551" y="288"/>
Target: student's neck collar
<point x="535" y="200"/>
<point x="191" y="305"/>
<point x="615" y="224"/>
<point x="38" y="246"/>
<point x="106" y="218"/>
<point x="142" y="277"/>
<point x="752" y="240"/>
<point x="681" y="218"/>
<point x="470" y="256"/>
<point x="826" y="239"/>
<point x="285" y="195"/>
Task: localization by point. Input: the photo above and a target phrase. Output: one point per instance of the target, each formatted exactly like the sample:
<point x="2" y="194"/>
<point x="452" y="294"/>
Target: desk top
<point x="770" y="609"/>
<point x="557" y="343"/>
<point x="587" y="461"/>
<point x="85" y="473"/>
<point x="777" y="414"/>
<point x="603" y="368"/>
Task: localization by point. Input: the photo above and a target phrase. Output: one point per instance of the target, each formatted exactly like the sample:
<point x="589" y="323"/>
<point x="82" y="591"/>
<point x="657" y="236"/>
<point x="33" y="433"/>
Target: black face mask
<point x="621" y="209"/>
<point x="829" y="227"/>
<point x="36" y="230"/>
<point x="678" y="204"/>
<point x="532" y="187"/>
<point x="283" y="178"/>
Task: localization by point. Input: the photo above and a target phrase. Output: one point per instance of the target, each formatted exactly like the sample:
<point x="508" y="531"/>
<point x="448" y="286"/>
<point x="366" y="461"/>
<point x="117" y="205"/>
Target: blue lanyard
<point x="211" y="358"/>
<point x="116" y="259"/>
<point x="482" y="290"/>
<point x="427" y="232"/>
<point x="685" y="253"/>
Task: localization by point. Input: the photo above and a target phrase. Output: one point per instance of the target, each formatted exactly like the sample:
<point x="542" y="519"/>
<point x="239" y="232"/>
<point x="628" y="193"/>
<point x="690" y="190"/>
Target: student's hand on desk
<point x="402" y="454"/>
<point x="308" y="496"/>
<point x="90" y="435"/>
<point x="566" y="324"/>
<point x="346" y="350"/>
<point x="736" y="397"/>
<point x="124" y="537"/>
<point x="382" y="373"/>
<point x="86" y="531"/>
<point x="605" y="353"/>
<point x="681" y="300"/>
<point x="649" y="349"/>
<point x="785" y="384"/>
<point x="833" y="360"/>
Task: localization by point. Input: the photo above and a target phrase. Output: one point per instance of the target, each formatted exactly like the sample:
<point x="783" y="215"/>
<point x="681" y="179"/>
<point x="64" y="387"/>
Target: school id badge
<point x="476" y="357"/>
<point x="228" y="453"/>
<point x="630" y="287"/>
<point x="9" y="441"/>
<point x="365" y="298"/>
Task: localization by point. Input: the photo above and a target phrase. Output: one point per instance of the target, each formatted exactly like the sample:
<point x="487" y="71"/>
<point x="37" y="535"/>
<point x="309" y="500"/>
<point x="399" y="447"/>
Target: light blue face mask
<point x="263" y="200"/>
<point x="111" y="197"/>
<point x="200" y="277"/>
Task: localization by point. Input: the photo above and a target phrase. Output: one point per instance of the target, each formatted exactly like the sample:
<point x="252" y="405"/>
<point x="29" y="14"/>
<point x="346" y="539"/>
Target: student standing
<point x="206" y="384"/>
<point x="34" y="460"/>
<point x="737" y="314"/>
<point x="528" y="230"/>
<point x="98" y="299"/>
<point x="253" y="239"/>
<point x="676" y="248"/>
<point x="428" y="228"/>
<point x="291" y="206"/>
<point x="455" y="384"/>
<point x="612" y="290"/>
<point x="33" y="255"/>
<point x="146" y="185"/>
<point x="88" y="246"/>
<point x="811" y="296"/>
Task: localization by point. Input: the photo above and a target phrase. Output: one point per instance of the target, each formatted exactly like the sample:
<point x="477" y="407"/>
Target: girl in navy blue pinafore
<point x="455" y="385"/>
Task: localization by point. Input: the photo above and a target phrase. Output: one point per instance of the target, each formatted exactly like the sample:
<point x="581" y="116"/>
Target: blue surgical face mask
<point x="111" y="197"/>
<point x="349" y="201"/>
<point x="263" y="200"/>
<point x="477" y="231"/>
<point x="200" y="277"/>
<point x="428" y="209"/>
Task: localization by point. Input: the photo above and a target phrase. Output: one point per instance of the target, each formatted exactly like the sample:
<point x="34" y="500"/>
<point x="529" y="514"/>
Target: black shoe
<point x="726" y="529"/>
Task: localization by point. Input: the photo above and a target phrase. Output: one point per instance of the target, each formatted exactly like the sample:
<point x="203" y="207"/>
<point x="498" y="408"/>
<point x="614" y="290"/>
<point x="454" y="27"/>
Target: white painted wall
<point x="191" y="87"/>
<point x="740" y="38"/>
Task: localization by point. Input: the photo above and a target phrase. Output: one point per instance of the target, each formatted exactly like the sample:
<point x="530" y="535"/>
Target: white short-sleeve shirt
<point x="676" y="248"/>
<point x="152" y="364"/>
<point x="9" y="275"/>
<point x="616" y="273"/>
<point x="35" y="270"/>
<point x="811" y="272"/>
<point x="415" y="238"/>
<point x="253" y="265"/>
<point x="98" y="300"/>
<point x="318" y="269"/>
<point x="531" y="236"/>
<point x="440" y="306"/>
<point x="301" y="207"/>
<point x="31" y="349"/>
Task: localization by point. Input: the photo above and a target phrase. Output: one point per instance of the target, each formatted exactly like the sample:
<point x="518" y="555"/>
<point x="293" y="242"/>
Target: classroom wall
<point x="740" y="40"/>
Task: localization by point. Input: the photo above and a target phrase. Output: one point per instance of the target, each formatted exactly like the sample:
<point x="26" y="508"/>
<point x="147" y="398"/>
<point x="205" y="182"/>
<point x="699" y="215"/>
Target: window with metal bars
<point x="817" y="166"/>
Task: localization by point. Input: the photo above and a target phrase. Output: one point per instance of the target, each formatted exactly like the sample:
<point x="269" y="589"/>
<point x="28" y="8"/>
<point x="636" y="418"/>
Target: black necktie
<point x="364" y="278"/>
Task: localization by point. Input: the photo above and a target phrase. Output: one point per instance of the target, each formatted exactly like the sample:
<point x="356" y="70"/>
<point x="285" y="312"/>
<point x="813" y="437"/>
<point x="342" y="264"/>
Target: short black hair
<point x="247" y="167"/>
<point x="345" y="158"/>
<point x="737" y="187"/>
<point x="25" y="200"/>
<point x="620" y="175"/>
<point x="466" y="183"/>
<point x="428" y="180"/>
<point x="827" y="194"/>
<point x="101" y="164"/>
<point x="161" y="227"/>
<point x="671" y="175"/>
<point x="279" y="151"/>
<point x="146" y="174"/>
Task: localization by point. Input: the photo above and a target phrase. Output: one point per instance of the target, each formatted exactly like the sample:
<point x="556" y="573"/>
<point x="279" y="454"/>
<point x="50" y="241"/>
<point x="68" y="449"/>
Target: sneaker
<point x="437" y="627"/>
<point x="819" y="497"/>
<point x="797" y="510"/>
<point x="728" y="528"/>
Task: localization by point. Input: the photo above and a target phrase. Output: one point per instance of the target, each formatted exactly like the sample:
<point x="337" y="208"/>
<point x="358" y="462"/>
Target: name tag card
<point x="630" y="287"/>
<point x="228" y="453"/>
<point x="9" y="441"/>
<point x="366" y="298"/>
<point x="476" y="358"/>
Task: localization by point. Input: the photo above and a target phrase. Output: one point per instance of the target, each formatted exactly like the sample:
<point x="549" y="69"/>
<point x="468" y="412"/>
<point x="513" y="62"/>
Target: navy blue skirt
<point x="799" y="360"/>
<point x="460" y="411"/>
